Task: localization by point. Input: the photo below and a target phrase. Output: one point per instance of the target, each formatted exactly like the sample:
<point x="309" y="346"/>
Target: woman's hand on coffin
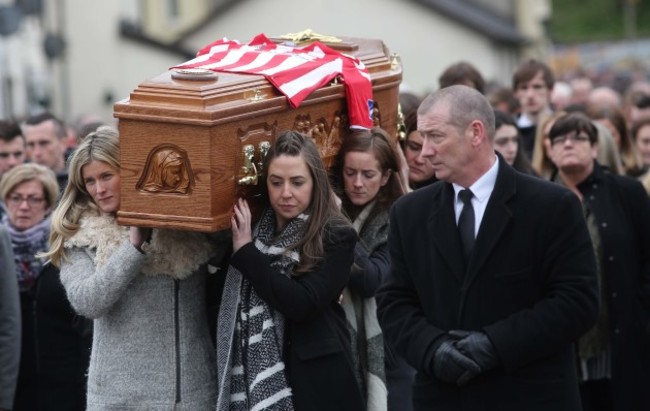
<point x="241" y="225"/>
<point x="139" y="236"/>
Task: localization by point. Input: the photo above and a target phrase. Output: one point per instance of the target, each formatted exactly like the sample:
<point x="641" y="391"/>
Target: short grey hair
<point x="465" y="105"/>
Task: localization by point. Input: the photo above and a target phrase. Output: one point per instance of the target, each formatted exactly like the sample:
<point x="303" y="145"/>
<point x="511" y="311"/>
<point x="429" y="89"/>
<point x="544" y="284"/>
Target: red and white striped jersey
<point x="294" y="71"/>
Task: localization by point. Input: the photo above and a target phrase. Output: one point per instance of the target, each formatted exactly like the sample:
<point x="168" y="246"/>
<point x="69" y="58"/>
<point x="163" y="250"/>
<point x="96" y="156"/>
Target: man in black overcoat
<point x="488" y="318"/>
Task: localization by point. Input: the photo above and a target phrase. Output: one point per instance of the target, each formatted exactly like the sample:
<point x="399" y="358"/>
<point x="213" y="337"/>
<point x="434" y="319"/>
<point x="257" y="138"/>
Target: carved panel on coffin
<point x="167" y="170"/>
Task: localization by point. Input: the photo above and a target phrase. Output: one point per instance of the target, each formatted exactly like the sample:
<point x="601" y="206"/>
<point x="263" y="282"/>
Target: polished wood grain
<point x="211" y="121"/>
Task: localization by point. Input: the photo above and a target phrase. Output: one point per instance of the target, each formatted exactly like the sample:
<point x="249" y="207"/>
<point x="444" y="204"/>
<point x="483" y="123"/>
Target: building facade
<point x="99" y="51"/>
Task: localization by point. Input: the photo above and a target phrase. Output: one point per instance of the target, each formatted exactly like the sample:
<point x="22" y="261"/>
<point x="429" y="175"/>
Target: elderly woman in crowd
<point x="55" y="341"/>
<point x="614" y="356"/>
<point x="29" y="191"/>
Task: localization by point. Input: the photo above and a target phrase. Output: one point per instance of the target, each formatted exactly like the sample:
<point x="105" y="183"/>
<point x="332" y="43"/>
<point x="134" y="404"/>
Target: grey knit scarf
<point x="361" y="314"/>
<point x="250" y="367"/>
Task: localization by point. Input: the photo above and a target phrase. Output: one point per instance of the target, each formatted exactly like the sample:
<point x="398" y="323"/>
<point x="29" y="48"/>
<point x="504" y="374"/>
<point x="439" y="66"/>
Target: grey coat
<point x="9" y="322"/>
<point x="151" y="344"/>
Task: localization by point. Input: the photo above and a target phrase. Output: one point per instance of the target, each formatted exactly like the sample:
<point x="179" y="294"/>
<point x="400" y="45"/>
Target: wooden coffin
<point x="190" y="147"/>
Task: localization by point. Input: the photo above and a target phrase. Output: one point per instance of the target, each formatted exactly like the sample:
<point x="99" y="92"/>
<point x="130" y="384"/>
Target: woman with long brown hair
<point x="281" y="336"/>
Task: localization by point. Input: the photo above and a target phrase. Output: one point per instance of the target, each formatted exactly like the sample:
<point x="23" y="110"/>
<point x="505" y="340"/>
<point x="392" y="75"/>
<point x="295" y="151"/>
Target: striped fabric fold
<point x="295" y="71"/>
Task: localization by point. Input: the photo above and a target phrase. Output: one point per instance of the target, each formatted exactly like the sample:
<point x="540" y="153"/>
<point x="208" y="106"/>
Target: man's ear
<point x="477" y="132"/>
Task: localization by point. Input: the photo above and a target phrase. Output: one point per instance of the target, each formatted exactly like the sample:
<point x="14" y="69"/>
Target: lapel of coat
<point x="497" y="216"/>
<point x="444" y="232"/>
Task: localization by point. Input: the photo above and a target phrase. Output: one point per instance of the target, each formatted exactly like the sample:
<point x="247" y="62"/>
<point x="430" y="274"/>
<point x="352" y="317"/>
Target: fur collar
<point x="174" y="253"/>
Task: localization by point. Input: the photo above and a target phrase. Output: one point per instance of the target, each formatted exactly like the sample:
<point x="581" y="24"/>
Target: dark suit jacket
<point x="530" y="285"/>
<point x="317" y="343"/>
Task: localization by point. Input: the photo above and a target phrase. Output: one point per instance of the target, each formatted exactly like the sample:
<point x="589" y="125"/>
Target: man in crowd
<point x="12" y="149"/>
<point x="532" y="83"/>
<point x="12" y="146"/>
<point x="493" y="276"/>
<point x="46" y="137"/>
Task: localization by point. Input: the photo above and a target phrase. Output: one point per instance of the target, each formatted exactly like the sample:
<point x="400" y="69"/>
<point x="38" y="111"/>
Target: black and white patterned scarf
<point x="250" y="334"/>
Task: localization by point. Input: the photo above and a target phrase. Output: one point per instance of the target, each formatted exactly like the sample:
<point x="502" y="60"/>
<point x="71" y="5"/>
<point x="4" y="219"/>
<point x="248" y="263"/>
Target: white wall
<point x="99" y="62"/>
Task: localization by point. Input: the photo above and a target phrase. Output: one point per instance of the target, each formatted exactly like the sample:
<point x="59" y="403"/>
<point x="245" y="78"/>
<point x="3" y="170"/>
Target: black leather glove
<point x="477" y="346"/>
<point x="452" y="366"/>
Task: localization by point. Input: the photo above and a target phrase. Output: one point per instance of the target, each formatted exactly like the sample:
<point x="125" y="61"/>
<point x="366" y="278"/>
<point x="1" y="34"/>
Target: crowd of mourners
<point x="495" y="254"/>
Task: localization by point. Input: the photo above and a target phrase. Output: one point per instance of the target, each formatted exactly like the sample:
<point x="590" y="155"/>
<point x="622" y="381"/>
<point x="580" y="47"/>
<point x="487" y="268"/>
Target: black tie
<point x="466" y="223"/>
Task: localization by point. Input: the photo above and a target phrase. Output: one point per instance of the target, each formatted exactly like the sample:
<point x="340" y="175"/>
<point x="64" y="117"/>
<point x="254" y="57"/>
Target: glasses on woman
<point x="574" y="138"/>
<point x="16" y="200"/>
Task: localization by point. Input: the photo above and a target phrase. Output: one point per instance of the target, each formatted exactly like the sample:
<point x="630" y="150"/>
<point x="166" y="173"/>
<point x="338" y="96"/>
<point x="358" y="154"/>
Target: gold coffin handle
<point x="264" y="148"/>
<point x="249" y="172"/>
<point x="248" y="176"/>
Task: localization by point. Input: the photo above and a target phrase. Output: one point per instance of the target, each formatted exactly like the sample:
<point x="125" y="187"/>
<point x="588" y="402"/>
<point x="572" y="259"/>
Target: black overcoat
<point x="622" y="212"/>
<point x="530" y="285"/>
<point x="63" y="343"/>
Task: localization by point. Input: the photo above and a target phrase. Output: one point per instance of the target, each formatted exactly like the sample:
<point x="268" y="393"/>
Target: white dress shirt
<point x="482" y="190"/>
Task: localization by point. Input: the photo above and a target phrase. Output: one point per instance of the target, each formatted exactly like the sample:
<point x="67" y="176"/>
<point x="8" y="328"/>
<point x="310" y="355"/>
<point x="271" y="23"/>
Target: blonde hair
<point x="541" y="162"/>
<point x="608" y="152"/>
<point x="28" y="172"/>
<point x="100" y="145"/>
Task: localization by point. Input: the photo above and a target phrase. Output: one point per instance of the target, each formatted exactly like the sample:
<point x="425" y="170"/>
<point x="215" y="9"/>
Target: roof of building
<point x="477" y="18"/>
<point x="495" y="27"/>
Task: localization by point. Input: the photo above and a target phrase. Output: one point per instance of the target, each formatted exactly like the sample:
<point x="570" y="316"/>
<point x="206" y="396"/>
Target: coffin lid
<point x="168" y="98"/>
